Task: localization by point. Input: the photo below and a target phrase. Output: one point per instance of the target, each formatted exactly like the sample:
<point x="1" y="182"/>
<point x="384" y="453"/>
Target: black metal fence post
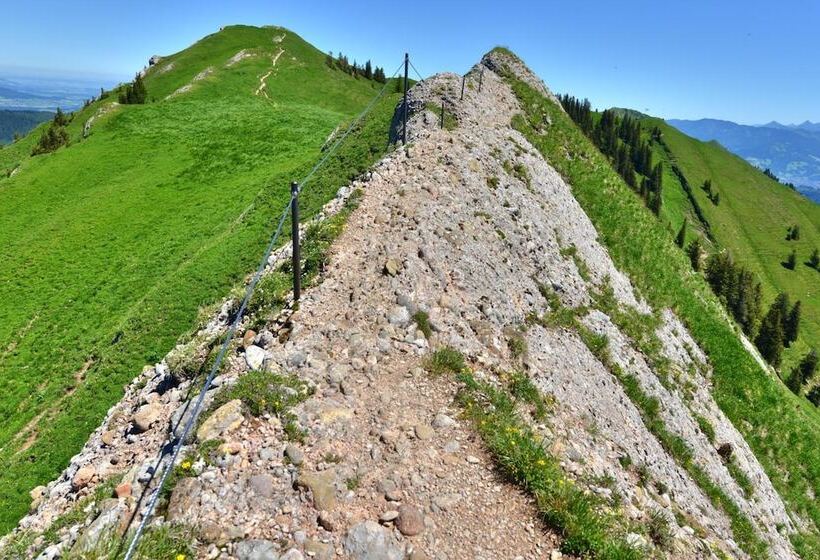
<point x="480" y="79"/>
<point x="296" y="258"/>
<point x="441" y="124"/>
<point x="404" y="127"/>
<point x="463" y="79"/>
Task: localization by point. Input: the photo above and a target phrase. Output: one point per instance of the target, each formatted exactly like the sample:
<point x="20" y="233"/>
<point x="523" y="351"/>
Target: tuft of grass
<point x="422" y="320"/>
<point x="265" y="392"/>
<point x="493" y="181"/>
<point x="522" y="389"/>
<point x="517" y="345"/>
<point x="741" y="478"/>
<point x="659" y="530"/>
<point x="706" y="427"/>
<point x="445" y="360"/>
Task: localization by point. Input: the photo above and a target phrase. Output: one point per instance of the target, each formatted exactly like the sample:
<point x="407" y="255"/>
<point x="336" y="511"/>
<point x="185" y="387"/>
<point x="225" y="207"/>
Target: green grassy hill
<point x="110" y="246"/>
<point x="781" y="428"/>
<point x="750" y="221"/>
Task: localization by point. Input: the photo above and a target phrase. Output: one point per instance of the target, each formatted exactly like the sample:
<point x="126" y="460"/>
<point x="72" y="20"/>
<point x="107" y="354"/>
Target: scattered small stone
<point x="326" y="521"/>
<point x="84" y="476"/>
<point x="294" y="454"/>
<point x="388" y="516"/>
<point x="410" y="520"/>
<point x="224" y="419"/>
<point x="473" y="460"/>
<point x="392" y="267"/>
<point x="146" y="416"/>
<point x="123" y="490"/>
<point x="108" y="438"/>
<point x="370" y="541"/>
<point x="424" y="432"/>
<point x="442" y="421"/>
<point x="255" y="549"/>
<point x="248" y="339"/>
<point x="255" y="357"/>
<point x="262" y="484"/>
<point x="322" y="486"/>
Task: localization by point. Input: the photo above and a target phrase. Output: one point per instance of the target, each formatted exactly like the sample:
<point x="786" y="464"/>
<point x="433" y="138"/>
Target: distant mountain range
<point x="792" y="152"/>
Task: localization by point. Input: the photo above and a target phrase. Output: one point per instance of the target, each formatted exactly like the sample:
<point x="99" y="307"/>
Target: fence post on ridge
<point x="441" y="124"/>
<point x="480" y="79"/>
<point x="296" y="257"/>
<point x="463" y="79"/>
<point x="404" y="126"/>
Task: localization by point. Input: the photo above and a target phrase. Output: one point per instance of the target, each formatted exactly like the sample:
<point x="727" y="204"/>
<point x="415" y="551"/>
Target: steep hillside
<point x="18" y="123"/>
<point x="751" y="220"/>
<point x="792" y="152"/>
<point x="502" y="355"/>
<point x="110" y="246"/>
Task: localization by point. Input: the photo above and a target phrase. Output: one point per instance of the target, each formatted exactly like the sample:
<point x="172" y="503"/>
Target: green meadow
<point x="750" y="221"/>
<point x="111" y="246"/>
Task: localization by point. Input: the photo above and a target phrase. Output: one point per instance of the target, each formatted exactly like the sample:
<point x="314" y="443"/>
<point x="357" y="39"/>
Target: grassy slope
<point x="783" y="430"/>
<point x="111" y="246"/>
<point x="750" y="221"/>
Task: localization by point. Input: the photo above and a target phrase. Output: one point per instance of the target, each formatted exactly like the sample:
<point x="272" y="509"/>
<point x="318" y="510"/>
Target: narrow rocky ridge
<point x="465" y="225"/>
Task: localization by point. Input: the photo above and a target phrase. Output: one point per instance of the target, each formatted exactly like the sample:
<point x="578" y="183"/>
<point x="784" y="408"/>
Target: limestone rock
<point x="255" y="357"/>
<point x="84" y="476"/>
<point x="410" y="520"/>
<point x="322" y="486"/>
<point x="370" y="541"/>
<point x="224" y="419"/>
<point x="256" y="549"/>
<point x="146" y="416"/>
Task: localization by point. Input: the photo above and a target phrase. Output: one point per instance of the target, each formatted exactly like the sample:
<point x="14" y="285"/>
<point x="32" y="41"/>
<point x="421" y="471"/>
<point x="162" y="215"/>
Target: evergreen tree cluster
<point x="367" y="71"/>
<point x="803" y="373"/>
<point x="778" y="329"/>
<point x="814" y="260"/>
<point x="134" y="93"/>
<point x="737" y="288"/>
<point x="711" y="193"/>
<point x="54" y="136"/>
<point x="619" y="138"/>
<point x="793" y="233"/>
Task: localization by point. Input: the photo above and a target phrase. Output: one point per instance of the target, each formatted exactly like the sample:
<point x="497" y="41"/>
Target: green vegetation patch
<point x="783" y="430"/>
<point x="587" y="530"/>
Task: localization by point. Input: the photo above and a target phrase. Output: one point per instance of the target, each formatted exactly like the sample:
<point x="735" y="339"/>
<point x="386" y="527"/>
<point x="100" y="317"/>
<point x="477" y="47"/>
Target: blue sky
<point x="749" y="61"/>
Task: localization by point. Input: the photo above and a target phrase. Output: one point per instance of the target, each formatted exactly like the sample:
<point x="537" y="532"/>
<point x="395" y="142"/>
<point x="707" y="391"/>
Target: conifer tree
<point x="694" y="252"/>
<point x="329" y="59"/>
<point x="368" y="70"/>
<point x="770" y="337"/>
<point x="791" y="326"/>
<point x="803" y="373"/>
<point x="680" y="239"/>
<point x="60" y="118"/>
<point x="814" y="259"/>
<point x="791" y="260"/>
